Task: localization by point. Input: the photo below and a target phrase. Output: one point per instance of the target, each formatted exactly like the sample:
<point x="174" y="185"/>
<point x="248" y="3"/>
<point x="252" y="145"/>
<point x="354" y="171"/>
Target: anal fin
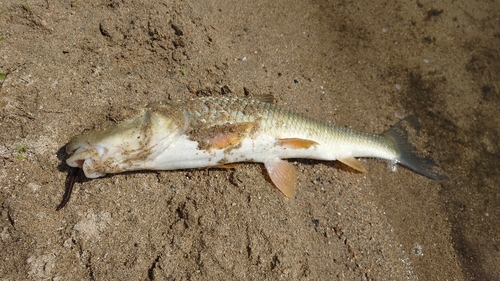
<point x="353" y="163"/>
<point x="283" y="175"/>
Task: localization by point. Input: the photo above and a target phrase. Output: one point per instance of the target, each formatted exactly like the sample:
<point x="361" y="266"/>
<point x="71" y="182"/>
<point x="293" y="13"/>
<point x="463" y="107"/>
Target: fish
<point x="222" y="131"/>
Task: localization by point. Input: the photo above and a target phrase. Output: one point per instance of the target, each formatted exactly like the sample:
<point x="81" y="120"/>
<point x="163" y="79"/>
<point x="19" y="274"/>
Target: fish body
<point x="216" y="132"/>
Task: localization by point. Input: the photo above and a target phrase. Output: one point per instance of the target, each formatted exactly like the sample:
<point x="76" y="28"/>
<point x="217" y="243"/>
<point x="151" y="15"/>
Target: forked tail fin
<point x="408" y="156"/>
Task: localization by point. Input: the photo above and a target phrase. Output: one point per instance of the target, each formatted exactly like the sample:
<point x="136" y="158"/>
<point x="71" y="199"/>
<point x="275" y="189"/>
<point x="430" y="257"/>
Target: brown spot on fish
<point x="224" y="136"/>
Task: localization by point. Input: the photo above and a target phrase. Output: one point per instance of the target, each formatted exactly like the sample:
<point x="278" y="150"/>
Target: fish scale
<point x="283" y="123"/>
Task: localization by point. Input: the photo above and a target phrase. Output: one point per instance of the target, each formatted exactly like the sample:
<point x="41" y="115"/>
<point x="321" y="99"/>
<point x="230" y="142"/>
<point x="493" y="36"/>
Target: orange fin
<point x="353" y="163"/>
<point x="228" y="166"/>
<point x="283" y="175"/>
<point x="227" y="135"/>
<point x="295" y="143"/>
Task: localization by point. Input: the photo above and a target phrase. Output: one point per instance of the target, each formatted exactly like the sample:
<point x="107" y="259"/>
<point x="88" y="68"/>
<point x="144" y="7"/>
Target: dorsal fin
<point x="269" y="98"/>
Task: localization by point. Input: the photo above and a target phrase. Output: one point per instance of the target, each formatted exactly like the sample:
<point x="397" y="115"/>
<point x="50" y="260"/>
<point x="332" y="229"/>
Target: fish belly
<point x="185" y="153"/>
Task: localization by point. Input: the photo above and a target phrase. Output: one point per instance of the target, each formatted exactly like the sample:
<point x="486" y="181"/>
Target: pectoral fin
<point x="295" y="143"/>
<point x="353" y="163"/>
<point x="283" y="175"/>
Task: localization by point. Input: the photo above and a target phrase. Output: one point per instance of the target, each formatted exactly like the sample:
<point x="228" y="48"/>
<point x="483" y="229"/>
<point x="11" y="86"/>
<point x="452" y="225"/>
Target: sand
<point x="73" y="66"/>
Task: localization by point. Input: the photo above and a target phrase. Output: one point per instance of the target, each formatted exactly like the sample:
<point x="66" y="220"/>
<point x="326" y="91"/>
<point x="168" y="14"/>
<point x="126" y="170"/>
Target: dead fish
<point x="216" y="132"/>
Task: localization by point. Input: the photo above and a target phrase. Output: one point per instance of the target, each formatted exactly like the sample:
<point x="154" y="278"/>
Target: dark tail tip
<point x="408" y="154"/>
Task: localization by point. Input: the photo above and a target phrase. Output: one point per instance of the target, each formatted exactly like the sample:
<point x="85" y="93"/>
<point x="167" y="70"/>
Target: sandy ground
<point x="71" y="66"/>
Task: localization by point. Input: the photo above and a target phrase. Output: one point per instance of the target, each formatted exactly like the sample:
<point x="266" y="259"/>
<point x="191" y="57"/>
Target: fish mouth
<point x="89" y="159"/>
<point x="79" y="163"/>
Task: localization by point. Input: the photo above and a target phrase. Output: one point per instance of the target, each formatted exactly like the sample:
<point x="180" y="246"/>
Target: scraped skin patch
<point x="225" y="136"/>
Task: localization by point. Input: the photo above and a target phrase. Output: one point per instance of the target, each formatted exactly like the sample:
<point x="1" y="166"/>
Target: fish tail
<point x="408" y="156"/>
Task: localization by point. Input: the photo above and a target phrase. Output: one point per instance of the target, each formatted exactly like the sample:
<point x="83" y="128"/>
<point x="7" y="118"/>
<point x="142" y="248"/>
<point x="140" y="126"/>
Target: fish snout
<point x="89" y="159"/>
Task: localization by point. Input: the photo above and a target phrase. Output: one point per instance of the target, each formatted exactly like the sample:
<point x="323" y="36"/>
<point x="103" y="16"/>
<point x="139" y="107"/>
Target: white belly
<point x="185" y="153"/>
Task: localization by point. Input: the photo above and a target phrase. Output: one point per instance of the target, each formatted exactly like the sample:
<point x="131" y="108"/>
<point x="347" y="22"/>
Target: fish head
<point x="126" y="146"/>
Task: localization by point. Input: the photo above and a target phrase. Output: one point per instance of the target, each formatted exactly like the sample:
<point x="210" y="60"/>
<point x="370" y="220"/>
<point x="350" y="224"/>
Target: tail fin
<point x="407" y="153"/>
